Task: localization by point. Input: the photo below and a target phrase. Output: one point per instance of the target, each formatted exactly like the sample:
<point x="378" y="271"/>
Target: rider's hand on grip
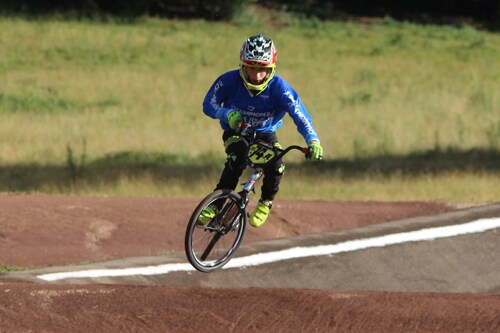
<point x="315" y="151"/>
<point x="235" y="120"/>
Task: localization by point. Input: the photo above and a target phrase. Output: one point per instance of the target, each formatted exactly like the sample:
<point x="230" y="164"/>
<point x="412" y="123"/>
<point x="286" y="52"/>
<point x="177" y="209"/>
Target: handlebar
<point x="248" y="133"/>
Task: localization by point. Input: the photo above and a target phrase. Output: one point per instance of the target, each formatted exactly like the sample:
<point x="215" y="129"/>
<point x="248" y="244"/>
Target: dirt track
<point x="38" y="231"/>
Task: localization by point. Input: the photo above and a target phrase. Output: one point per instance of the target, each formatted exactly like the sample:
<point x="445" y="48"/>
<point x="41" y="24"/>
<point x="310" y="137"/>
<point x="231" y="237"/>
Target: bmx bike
<point x="211" y="245"/>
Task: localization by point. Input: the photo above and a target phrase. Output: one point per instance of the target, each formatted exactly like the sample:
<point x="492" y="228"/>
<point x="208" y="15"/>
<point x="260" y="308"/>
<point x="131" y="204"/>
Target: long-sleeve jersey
<point x="264" y="111"/>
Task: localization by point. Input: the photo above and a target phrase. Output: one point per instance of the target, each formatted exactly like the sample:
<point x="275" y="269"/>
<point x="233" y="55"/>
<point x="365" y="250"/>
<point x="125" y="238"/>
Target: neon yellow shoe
<point x="207" y="214"/>
<point x="260" y="213"/>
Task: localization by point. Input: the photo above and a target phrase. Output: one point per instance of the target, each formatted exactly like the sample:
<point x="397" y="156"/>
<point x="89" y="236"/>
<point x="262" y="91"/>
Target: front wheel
<point x="210" y="245"/>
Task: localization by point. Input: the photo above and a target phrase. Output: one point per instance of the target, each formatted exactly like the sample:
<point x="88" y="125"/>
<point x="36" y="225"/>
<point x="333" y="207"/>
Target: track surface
<point x="445" y="285"/>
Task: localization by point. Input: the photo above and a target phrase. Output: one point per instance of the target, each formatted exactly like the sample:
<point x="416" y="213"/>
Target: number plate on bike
<point x="259" y="154"/>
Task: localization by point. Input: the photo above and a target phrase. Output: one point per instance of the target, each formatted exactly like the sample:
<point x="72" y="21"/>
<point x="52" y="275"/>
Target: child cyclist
<point x="256" y="95"/>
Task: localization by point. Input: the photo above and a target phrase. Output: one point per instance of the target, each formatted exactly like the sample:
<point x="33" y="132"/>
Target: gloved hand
<point x="235" y="120"/>
<point x="315" y="150"/>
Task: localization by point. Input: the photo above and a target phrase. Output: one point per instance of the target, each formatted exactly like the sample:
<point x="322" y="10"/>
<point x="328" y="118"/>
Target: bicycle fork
<point x="231" y="212"/>
<point x="248" y="187"/>
<point x="254" y="177"/>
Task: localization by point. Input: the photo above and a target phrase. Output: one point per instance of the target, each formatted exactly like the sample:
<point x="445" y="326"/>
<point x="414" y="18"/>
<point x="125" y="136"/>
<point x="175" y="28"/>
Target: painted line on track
<point x="477" y="226"/>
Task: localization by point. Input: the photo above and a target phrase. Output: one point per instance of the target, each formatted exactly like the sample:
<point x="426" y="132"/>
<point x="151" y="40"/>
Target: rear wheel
<point x="210" y="245"/>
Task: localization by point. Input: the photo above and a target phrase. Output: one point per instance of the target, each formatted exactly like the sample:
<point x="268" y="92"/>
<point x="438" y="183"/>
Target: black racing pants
<point x="236" y="162"/>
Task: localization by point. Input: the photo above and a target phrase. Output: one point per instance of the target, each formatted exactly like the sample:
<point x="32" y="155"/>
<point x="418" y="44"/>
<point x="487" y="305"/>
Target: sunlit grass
<point x="452" y="187"/>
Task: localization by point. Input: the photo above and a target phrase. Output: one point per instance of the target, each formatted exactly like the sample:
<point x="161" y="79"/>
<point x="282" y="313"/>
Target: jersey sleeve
<point x="299" y="114"/>
<point x="215" y="99"/>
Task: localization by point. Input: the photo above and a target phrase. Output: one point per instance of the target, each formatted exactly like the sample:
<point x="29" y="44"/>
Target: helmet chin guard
<point x="258" y="88"/>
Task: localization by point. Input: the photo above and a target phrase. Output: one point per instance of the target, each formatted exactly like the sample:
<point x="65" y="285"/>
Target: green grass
<point x="115" y="109"/>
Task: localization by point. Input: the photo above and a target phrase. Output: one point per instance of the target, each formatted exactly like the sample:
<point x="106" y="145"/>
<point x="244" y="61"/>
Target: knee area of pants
<point x="281" y="169"/>
<point x="235" y="162"/>
<point x="278" y="169"/>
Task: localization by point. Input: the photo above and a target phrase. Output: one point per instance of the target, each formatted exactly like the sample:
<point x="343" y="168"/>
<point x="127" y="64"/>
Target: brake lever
<point x="247" y="131"/>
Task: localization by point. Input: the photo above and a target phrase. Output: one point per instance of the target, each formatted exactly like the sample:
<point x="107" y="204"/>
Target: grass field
<point x="404" y="111"/>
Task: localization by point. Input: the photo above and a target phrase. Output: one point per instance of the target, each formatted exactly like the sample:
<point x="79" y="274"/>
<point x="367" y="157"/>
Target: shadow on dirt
<point x="167" y="167"/>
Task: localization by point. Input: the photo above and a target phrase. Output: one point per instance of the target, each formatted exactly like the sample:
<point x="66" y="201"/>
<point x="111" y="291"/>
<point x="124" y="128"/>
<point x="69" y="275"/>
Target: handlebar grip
<point x="306" y="152"/>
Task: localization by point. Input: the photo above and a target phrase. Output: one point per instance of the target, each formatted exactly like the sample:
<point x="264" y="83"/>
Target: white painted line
<point x="477" y="226"/>
<point x="361" y="244"/>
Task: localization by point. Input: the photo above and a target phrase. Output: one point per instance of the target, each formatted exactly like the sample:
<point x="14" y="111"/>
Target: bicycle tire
<point x="210" y="246"/>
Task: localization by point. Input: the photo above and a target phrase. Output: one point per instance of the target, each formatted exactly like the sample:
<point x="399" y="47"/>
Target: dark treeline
<point x="207" y="9"/>
<point x="483" y="12"/>
<point x="486" y="12"/>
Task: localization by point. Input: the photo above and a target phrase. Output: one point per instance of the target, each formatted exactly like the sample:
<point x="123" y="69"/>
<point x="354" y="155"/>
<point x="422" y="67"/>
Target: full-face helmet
<point x="258" y="51"/>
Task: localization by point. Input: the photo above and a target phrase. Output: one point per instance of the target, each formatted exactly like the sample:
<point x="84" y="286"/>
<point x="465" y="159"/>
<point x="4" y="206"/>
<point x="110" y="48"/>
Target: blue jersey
<point x="265" y="111"/>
